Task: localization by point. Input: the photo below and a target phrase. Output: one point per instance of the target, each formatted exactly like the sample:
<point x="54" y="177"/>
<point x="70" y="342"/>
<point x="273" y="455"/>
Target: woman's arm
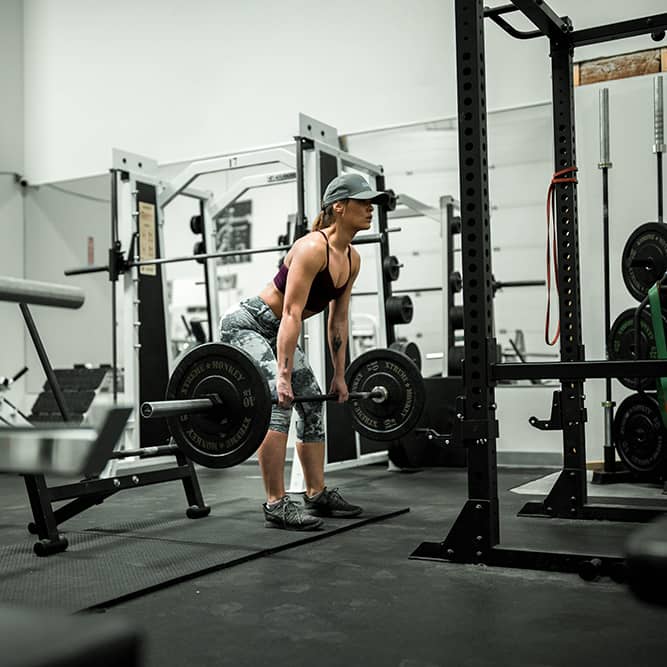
<point x="337" y="330"/>
<point x="308" y="258"/>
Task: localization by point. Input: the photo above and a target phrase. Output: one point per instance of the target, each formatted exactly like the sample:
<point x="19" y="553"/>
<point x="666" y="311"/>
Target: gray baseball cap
<point x="351" y="186"/>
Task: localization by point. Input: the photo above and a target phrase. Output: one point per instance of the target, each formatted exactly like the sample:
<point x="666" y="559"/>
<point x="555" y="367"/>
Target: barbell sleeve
<point x="156" y="409"/>
<point x="145" y="452"/>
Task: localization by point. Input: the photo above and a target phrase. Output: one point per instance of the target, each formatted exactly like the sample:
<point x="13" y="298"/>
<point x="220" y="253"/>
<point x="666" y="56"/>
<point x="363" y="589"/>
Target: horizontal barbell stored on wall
<point x="497" y="285"/>
<point x="118" y="264"/>
<point x="562" y="370"/>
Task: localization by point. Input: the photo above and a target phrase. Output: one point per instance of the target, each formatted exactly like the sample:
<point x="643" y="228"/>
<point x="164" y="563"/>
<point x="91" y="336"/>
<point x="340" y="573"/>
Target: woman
<point x="318" y="271"/>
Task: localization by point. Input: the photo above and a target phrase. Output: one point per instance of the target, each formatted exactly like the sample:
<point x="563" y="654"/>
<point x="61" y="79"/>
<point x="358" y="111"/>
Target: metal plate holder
<point x="310" y="128"/>
<point x="134" y="163"/>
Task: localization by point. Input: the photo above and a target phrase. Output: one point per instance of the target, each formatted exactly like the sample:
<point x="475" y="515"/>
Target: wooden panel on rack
<point x="639" y="63"/>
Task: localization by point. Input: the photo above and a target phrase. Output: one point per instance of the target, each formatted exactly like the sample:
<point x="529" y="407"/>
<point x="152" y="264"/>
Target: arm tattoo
<point x="286" y="366"/>
<point x="336" y="342"/>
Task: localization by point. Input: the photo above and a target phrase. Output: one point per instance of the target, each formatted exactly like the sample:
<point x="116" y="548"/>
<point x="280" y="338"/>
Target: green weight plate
<point x="231" y="433"/>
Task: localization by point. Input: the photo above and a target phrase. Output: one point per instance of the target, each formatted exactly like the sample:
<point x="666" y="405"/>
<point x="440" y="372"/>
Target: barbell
<point x="218" y="403"/>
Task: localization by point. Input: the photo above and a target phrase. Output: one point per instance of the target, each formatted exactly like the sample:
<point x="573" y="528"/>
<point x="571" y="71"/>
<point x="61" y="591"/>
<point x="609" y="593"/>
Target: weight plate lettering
<point x="402" y="382"/>
<point x="231" y="433"/>
<point x="644" y="258"/>
<point x="639" y="434"/>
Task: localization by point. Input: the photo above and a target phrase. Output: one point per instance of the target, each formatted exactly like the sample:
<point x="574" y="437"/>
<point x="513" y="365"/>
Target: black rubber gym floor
<point x="116" y="557"/>
<point x="351" y="598"/>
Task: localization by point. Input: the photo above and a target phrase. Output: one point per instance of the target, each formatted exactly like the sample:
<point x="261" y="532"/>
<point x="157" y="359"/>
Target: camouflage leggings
<point x="254" y="328"/>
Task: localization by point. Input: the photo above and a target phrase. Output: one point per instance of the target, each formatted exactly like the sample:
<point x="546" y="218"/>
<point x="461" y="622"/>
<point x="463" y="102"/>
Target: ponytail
<point x="325" y="218"/>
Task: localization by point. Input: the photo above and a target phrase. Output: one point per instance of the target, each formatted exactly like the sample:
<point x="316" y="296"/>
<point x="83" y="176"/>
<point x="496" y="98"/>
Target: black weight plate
<point x="392" y="200"/>
<point x="639" y="434"/>
<point x="455" y="358"/>
<point x="231" y="434"/>
<point x="409" y="349"/>
<point x="399" y="309"/>
<point x="391" y="267"/>
<point x="644" y="258"/>
<point x="196" y="224"/>
<point x="199" y="249"/>
<point x="621" y="344"/>
<point x="456" y="317"/>
<point x="399" y="413"/>
<point x="455" y="282"/>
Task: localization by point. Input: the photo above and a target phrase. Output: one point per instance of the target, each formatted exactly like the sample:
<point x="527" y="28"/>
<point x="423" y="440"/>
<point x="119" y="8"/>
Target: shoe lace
<point x="334" y="497"/>
<point x="291" y="511"/>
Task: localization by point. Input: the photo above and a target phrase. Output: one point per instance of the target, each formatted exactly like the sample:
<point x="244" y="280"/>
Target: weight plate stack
<point x="621" y="344"/>
<point x="640" y="436"/>
<point x="644" y="259"/>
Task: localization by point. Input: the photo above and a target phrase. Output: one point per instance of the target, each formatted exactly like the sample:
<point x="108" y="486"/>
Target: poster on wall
<point x="233" y="231"/>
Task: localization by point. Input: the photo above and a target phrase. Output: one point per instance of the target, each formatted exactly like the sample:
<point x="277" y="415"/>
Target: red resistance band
<point x="556" y="179"/>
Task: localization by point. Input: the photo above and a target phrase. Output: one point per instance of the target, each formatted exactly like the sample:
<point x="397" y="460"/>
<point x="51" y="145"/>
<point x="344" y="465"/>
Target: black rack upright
<point x="475" y="535"/>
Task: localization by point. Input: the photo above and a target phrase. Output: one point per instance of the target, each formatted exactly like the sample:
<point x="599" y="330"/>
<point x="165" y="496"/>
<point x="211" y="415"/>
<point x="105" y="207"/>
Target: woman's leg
<point x="310" y="429"/>
<point x="237" y="330"/>
<point x="319" y="500"/>
<point x="271" y="455"/>
<point x="311" y="455"/>
<point x="253" y="328"/>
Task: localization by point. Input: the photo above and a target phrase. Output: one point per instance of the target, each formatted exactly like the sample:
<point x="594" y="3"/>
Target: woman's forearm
<point x="338" y="345"/>
<point x="288" y="336"/>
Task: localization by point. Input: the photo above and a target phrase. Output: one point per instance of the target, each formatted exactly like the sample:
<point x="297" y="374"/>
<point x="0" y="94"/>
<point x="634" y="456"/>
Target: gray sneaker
<point x="289" y="515"/>
<point x="330" y="503"/>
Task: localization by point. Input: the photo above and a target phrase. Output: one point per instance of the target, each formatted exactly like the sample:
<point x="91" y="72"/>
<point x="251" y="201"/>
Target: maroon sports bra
<point x="322" y="289"/>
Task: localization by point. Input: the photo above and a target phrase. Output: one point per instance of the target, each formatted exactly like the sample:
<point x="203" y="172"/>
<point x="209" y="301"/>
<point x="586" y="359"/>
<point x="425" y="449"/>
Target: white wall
<point x="238" y="81"/>
<point x="11" y="85"/>
<point x="423" y="164"/>
<point x="633" y="201"/>
<point x="58" y="224"/>
<point x="175" y="80"/>
<point x="12" y="355"/>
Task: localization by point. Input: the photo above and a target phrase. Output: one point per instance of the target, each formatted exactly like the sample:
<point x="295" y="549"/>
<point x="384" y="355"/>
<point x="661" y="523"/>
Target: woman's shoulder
<point x="312" y="241"/>
<point x="310" y="248"/>
<point x="355" y="258"/>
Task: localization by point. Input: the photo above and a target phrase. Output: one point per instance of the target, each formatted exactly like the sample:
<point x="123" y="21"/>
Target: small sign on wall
<point x="147" y="237"/>
<point x="91" y="251"/>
